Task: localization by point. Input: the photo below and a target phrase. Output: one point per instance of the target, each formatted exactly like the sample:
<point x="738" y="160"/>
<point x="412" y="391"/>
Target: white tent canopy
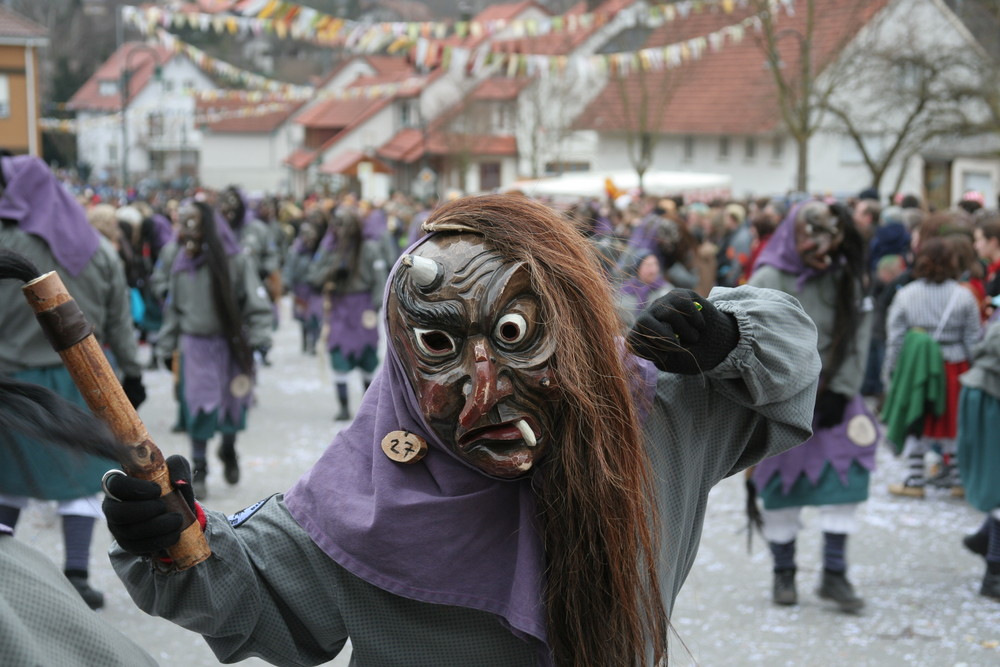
<point x="694" y="186"/>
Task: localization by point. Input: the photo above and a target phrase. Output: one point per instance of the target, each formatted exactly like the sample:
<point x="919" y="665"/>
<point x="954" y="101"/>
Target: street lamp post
<point x="126" y="78"/>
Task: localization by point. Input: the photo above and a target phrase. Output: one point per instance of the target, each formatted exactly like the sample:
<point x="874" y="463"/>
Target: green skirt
<point x="979" y="448"/>
<point x="49" y="473"/>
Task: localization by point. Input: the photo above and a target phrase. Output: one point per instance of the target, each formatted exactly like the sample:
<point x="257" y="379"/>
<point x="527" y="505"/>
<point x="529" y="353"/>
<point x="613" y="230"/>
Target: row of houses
<point x="444" y="127"/>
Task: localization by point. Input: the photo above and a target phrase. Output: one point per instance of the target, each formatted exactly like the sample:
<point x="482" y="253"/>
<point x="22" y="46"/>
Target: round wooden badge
<point x="404" y="447"/>
<point x="861" y="431"/>
<point x="241" y="385"/>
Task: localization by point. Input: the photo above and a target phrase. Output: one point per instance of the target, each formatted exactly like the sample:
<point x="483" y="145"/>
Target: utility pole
<point x="126" y="77"/>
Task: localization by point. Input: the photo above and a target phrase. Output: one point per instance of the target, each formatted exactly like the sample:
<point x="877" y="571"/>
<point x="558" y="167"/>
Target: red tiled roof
<point x="142" y="65"/>
<point x="408" y="144"/>
<point x="15" y="26"/>
<point x="563" y="43"/>
<point x="730" y="91"/>
<point x="507" y="11"/>
<point x="214" y="6"/>
<point x="499" y="88"/>
<point x="347" y="161"/>
<point x="335" y="113"/>
<point x="381" y="64"/>
<point x="405" y="146"/>
<point x="256" y="123"/>
<point x="301" y="158"/>
<point x="389" y="64"/>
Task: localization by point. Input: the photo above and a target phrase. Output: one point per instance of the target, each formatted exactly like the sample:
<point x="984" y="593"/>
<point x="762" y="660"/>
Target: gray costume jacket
<point x="100" y="290"/>
<point x="190" y="308"/>
<point x="269" y="591"/>
<point x="45" y="622"/>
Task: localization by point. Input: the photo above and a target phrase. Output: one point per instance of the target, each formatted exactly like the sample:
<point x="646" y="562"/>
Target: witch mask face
<point x="190" y="234"/>
<point x="467" y="327"/>
<point x="818" y="235"/>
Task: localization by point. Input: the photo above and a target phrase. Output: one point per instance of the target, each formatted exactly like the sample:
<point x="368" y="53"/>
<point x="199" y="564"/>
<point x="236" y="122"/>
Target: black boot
<point x="344" y="414"/>
<point x="227" y="454"/>
<point x="991" y="585"/>
<point x="835" y="586"/>
<point x="784" y="592"/>
<point x="977" y="543"/>
<point x="93" y="598"/>
<point x="198" y="479"/>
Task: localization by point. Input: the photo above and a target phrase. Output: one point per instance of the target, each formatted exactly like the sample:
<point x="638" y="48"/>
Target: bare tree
<point x="803" y="89"/>
<point x="910" y="98"/>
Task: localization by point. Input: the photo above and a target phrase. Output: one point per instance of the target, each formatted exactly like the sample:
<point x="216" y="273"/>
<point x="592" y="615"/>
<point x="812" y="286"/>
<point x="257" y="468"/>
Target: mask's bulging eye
<point x="434" y="343"/>
<point x="512" y="328"/>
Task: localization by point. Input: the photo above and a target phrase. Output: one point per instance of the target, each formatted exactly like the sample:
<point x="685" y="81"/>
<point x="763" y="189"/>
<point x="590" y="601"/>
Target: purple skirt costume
<point x="208" y="372"/>
<point x="348" y="332"/>
<point x="821" y="470"/>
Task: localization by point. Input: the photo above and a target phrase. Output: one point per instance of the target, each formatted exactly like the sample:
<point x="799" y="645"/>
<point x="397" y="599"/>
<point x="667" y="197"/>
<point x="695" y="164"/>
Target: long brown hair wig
<point x="596" y="499"/>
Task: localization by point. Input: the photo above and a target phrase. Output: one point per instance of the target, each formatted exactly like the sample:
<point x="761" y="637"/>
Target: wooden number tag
<point x="404" y="447"/>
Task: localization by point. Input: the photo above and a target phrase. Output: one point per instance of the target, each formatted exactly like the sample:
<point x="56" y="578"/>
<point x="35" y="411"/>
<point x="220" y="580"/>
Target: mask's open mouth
<point x="500" y="438"/>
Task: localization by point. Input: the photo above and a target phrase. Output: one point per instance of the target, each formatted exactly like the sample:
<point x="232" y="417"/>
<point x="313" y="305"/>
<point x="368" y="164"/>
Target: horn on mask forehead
<point x="426" y="273"/>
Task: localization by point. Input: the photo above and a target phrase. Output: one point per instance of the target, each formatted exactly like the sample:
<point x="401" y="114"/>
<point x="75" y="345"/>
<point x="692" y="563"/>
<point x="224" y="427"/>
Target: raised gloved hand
<point x="830" y="408"/>
<point x="139" y="518"/>
<point x="135" y="392"/>
<point x="682" y="332"/>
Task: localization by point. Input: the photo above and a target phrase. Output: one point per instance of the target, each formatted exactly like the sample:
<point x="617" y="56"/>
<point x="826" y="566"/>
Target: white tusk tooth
<point x="526" y="432"/>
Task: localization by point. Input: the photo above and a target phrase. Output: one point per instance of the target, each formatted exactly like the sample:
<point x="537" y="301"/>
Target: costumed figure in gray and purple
<point x="349" y="270"/>
<point x="817" y="256"/>
<point x="42" y="222"/>
<point x="216" y="313"/>
<point x="257" y="241"/>
<point x="513" y="450"/>
<point x="307" y="304"/>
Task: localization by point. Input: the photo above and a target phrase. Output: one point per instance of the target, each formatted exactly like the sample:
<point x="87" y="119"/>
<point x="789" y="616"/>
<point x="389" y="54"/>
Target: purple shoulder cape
<point x="39" y="203"/>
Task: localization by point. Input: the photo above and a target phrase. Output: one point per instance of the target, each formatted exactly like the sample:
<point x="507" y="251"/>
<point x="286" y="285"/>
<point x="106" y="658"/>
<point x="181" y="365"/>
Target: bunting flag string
<point x="287" y="20"/>
<point x="230" y="72"/>
<point x="202" y="117"/>
<point x="481" y="61"/>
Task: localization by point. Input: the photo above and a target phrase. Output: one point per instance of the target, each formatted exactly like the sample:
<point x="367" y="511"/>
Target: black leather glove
<point x="138" y="517"/>
<point x="682" y="332"/>
<point x="830" y="408"/>
<point x="134" y="390"/>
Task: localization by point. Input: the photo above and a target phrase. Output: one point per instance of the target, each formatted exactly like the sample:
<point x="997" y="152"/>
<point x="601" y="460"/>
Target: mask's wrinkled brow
<point x="438" y="314"/>
<point x="450" y="313"/>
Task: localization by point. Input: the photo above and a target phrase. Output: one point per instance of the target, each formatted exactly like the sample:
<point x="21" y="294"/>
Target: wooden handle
<point x="66" y="329"/>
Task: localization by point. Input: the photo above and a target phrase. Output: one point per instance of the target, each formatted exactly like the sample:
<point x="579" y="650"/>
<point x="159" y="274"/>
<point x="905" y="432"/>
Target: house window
<point x="778" y="148"/>
<point x="489" y="175"/>
<point x="157" y="161"/>
<point x="723" y="148"/>
<point x="750" y="148"/>
<point x="107" y="87"/>
<point x="4" y="96"/>
<point x="168" y="85"/>
<point x="689" y="147"/>
<point x="155" y="125"/>
<point x="506" y="115"/>
<point x="405" y="119"/>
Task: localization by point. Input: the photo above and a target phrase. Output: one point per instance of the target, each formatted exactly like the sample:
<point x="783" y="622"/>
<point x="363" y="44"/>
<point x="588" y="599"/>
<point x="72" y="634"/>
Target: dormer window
<point x="107" y="87"/>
